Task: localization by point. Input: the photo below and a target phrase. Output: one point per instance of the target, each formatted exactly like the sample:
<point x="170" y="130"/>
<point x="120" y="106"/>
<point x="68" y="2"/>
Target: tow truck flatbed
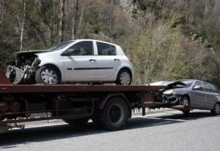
<point x="107" y="105"/>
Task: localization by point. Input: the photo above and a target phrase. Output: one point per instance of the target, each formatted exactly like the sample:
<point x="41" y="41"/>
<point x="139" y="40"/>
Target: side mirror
<point x="68" y="52"/>
<point x="196" y="87"/>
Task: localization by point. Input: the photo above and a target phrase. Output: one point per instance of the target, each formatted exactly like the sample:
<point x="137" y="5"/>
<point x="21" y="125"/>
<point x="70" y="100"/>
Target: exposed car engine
<point x="23" y="68"/>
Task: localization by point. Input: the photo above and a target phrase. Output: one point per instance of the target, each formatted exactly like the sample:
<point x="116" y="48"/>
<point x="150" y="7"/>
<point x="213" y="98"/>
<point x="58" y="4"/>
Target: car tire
<point x="186" y="105"/>
<point x="115" y="114"/>
<point x="124" y="77"/>
<point x="216" y="109"/>
<point x="47" y="75"/>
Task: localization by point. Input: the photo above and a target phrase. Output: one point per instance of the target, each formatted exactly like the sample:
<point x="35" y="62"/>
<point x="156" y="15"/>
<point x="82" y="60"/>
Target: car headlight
<point x="169" y="92"/>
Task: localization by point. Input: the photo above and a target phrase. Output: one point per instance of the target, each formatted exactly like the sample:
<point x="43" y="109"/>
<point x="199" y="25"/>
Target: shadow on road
<point x="192" y="116"/>
<point x="40" y="134"/>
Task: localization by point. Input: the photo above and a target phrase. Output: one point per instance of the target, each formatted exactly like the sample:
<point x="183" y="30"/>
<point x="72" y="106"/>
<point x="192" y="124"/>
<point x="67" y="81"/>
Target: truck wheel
<point x="47" y="75"/>
<point x="124" y="77"/>
<point x="186" y="105"/>
<point x="79" y="123"/>
<point x="216" y="109"/>
<point x="115" y="114"/>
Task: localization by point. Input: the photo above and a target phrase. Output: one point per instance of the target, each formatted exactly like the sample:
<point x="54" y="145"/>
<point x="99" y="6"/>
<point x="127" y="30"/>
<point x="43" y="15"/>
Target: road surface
<point x="167" y="131"/>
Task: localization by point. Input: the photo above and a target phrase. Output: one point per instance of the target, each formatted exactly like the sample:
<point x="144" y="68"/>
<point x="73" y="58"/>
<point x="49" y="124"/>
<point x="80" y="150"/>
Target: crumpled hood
<point x="30" y="52"/>
<point x="175" y="85"/>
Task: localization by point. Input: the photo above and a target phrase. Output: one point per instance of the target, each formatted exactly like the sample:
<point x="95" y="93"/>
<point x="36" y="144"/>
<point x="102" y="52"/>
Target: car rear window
<point x="209" y="87"/>
<point x="106" y="49"/>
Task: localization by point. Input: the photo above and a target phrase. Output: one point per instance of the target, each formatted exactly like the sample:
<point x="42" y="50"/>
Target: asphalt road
<point x="169" y="131"/>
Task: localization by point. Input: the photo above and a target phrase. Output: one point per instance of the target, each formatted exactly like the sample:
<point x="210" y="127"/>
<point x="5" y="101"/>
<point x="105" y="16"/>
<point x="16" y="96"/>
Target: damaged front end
<point x="23" y="69"/>
<point x="168" y="96"/>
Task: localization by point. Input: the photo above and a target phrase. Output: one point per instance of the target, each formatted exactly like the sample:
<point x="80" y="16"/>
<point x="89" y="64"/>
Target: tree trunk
<point x="62" y="21"/>
<point x="22" y="25"/>
<point x="75" y="19"/>
<point x="2" y="12"/>
<point x="80" y="18"/>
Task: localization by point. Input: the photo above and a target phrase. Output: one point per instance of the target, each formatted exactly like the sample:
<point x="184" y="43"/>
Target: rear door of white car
<point x="81" y="64"/>
<point x="107" y="61"/>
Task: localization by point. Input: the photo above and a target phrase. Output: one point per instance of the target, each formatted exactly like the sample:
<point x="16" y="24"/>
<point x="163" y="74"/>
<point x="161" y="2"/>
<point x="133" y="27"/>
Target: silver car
<point x="81" y="60"/>
<point x="192" y="94"/>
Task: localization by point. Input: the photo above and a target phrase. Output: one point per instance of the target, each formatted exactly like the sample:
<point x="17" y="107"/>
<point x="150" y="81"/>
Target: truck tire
<point x="47" y="75"/>
<point x="124" y="77"/>
<point x="115" y="114"/>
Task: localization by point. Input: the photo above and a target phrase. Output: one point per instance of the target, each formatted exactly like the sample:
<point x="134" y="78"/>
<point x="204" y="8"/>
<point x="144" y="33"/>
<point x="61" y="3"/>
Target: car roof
<point x="96" y="41"/>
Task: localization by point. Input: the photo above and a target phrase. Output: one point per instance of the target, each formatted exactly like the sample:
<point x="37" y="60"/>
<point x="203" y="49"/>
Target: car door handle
<point x="116" y="60"/>
<point x="92" y="60"/>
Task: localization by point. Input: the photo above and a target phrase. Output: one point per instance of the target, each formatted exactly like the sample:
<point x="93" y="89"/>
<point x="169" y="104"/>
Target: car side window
<point x="106" y="49"/>
<point x="209" y="87"/>
<point x="200" y="85"/>
<point x="84" y="48"/>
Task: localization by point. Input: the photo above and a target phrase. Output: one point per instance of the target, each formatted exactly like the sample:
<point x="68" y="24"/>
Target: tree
<point x="62" y="20"/>
<point x="75" y="18"/>
<point x="22" y="24"/>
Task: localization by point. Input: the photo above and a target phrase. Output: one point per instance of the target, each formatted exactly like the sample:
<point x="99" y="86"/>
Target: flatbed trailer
<point x="107" y="105"/>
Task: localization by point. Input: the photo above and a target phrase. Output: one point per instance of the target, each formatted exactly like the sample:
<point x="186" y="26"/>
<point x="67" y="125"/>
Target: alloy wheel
<point x="125" y="78"/>
<point x="49" y="76"/>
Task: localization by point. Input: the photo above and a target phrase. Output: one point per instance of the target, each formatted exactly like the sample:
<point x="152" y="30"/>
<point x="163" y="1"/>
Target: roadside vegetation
<point x="167" y="39"/>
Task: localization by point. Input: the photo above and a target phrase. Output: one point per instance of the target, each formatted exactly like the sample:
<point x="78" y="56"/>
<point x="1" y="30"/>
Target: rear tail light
<point x="129" y="58"/>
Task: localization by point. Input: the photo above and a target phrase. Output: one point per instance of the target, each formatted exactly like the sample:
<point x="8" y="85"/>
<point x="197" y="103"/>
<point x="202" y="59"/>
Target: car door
<point x="198" y="96"/>
<point x="107" y="61"/>
<point x="211" y="95"/>
<point x="79" y="63"/>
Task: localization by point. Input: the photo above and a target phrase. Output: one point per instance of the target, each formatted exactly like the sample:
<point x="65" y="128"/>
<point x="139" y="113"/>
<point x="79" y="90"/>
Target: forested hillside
<point x="167" y="39"/>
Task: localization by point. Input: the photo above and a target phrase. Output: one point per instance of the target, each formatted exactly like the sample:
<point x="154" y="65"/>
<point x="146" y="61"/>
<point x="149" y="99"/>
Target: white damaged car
<point x="82" y="60"/>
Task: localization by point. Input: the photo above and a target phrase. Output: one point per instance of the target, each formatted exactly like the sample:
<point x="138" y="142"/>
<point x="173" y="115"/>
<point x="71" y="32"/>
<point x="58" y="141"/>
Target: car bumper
<point x="172" y="99"/>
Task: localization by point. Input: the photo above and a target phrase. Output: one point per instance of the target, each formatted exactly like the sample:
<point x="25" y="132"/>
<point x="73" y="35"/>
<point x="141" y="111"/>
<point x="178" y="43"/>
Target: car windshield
<point x="60" y="46"/>
<point x="188" y="83"/>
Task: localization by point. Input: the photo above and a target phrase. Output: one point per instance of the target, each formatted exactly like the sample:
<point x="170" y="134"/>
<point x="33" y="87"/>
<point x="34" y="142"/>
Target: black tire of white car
<point x="47" y="75"/>
<point x="186" y="105"/>
<point x="115" y="114"/>
<point x="124" y="77"/>
<point x="216" y="109"/>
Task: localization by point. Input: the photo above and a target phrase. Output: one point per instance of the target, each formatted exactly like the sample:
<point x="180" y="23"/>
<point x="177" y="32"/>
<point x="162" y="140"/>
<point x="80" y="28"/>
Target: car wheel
<point x="47" y="75"/>
<point x="115" y="114"/>
<point x="216" y="109"/>
<point x="124" y="77"/>
<point x="186" y="105"/>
